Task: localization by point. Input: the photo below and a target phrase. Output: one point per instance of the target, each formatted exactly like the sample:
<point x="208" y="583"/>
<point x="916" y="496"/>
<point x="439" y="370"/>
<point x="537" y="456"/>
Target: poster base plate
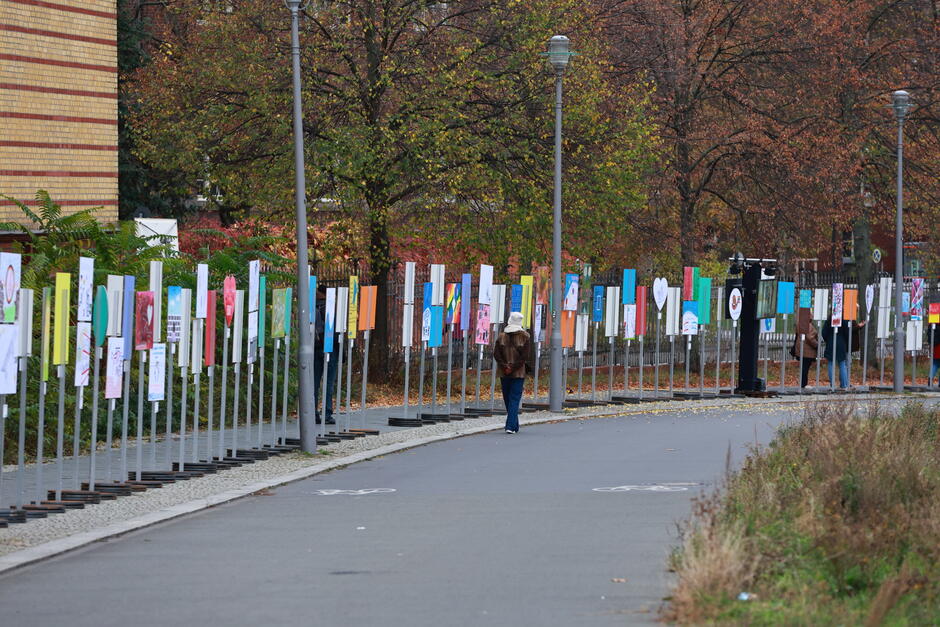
<point x="65" y="505"/>
<point x="13" y="516"/>
<point x="405" y="422"/>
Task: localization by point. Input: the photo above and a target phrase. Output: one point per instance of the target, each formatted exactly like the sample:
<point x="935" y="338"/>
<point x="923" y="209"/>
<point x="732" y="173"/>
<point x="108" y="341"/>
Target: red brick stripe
<point x="65" y="7"/>
<point x="52" y="145"/>
<point x="71" y="64"/>
<point x="58" y="173"/>
<point x="57" y="90"/>
<point x="62" y="203"/>
<point x="48" y="33"/>
<point x="56" y="118"/>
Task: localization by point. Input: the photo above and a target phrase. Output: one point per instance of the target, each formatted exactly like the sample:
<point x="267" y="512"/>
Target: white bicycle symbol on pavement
<point x="657" y="487"/>
<point x="362" y="492"/>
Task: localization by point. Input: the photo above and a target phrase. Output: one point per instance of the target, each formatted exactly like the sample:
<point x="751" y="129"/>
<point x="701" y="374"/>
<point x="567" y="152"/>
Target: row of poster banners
<point x="623" y="309"/>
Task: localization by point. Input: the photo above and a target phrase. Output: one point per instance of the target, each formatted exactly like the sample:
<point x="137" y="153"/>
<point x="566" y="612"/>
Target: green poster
<point x="262" y="306"/>
<point x="99" y="315"/>
<point x="288" y="300"/>
<point x="278" y="308"/>
<point x="704" y="286"/>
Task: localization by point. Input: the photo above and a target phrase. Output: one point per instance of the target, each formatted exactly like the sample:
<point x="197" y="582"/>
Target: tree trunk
<point x="865" y="268"/>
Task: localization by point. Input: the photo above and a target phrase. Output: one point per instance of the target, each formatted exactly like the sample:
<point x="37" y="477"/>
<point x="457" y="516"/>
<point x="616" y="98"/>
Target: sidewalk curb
<point x="53" y="548"/>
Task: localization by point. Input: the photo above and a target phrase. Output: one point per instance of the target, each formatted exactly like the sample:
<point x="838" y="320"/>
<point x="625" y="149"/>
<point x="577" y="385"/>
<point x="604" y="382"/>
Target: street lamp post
<point x="558" y="57"/>
<point x="308" y="440"/>
<point x="901" y="102"/>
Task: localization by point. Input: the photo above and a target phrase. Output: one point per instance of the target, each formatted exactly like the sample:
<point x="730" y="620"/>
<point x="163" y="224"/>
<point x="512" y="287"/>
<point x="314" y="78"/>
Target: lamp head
<point x="558" y="52"/>
<point x="901" y="102"/>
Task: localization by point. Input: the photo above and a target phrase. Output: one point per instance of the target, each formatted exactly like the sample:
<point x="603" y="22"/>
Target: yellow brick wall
<point x="58" y="104"/>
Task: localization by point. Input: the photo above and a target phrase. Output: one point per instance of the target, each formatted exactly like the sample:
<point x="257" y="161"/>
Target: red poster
<point x="143" y="327"/>
<point x="641" y="295"/>
<point x="228" y="298"/>
<point x="208" y="354"/>
<point x="688" y="283"/>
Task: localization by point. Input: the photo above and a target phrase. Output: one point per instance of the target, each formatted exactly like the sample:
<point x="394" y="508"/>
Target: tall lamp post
<point x="308" y="440"/>
<point x="901" y="102"/>
<point x="558" y="57"/>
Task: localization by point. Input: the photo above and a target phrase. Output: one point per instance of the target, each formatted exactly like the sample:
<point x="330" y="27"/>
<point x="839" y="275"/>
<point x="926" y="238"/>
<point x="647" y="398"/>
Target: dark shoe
<point x="318" y="420"/>
<point x="330" y="421"/>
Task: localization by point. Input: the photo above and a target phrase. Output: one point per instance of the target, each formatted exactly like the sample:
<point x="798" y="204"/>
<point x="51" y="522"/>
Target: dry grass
<point x="837" y="522"/>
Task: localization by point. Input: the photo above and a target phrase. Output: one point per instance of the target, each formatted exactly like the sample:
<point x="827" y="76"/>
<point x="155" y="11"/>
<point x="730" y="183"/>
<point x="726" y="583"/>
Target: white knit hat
<point x="515" y="323"/>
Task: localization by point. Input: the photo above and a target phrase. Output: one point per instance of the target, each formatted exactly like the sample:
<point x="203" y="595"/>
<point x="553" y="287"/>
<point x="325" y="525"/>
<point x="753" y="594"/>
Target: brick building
<point x="58" y="104"/>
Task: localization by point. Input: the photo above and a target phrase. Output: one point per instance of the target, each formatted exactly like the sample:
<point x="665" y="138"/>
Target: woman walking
<point x="806" y="335"/>
<point x="837" y="351"/>
<point x="513" y="357"/>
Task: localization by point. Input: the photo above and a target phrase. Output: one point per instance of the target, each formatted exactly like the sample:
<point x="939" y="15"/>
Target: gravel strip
<point x="187" y="496"/>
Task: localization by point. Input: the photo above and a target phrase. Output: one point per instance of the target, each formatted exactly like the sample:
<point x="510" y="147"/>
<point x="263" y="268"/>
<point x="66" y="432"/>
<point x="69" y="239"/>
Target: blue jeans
<point x="934" y="367"/>
<point x="330" y="382"/>
<point x="843" y="373"/>
<point x="512" y="396"/>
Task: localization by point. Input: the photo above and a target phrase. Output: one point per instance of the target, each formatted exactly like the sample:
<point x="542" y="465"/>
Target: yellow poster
<point x="60" y="337"/>
<point x="352" y="320"/>
<point x="526" y="281"/>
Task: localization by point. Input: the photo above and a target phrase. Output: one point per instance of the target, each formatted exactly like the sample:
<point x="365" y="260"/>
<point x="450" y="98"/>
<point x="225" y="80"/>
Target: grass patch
<point x="837" y="521"/>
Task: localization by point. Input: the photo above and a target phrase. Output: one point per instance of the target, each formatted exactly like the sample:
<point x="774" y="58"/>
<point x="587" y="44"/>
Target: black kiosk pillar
<point x="750" y="332"/>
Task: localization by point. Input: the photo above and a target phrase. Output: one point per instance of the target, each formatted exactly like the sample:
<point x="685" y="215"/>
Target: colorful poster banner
<point x="838" y="293"/>
<point x="917" y="298"/>
<point x="705" y="300"/>
<point x="690" y="317"/>
<point x="329" y="320"/>
<point x="628" y="289"/>
<point x="466" y="287"/>
<point x="143" y="321"/>
<point x="570" y="302"/>
<point x="367" y="301"/>
<point x="10" y="264"/>
<point x="933" y="315"/>
<point x="156" y="382"/>
<point x="279" y="312"/>
<point x="352" y="311"/>
<point x="543" y="284"/>
<point x="567" y="329"/>
<point x="452" y="301"/>
<point x="60" y="342"/>
<point x="228" y="299"/>
<point x="437" y="326"/>
<point x="46" y="331"/>
<point x="481" y="336"/>
<point x="82" y="353"/>
<point x="86" y="281"/>
<point x="174" y="313"/>
<point x="115" y="367"/>
<point x="785" y="297"/>
<point x="642" y="294"/>
<point x="597" y="310"/>
<point x="208" y="353"/>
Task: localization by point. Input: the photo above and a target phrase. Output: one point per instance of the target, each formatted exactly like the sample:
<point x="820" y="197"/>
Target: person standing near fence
<point x="935" y="364"/>
<point x="514" y="359"/>
<point x="837" y="350"/>
<point x="806" y="335"/>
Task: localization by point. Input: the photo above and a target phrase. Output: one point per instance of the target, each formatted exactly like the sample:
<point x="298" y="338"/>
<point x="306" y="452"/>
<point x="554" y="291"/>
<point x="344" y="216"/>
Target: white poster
<point x="768" y="325"/>
<point x="195" y="355"/>
<point x="202" y="290"/>
<point x="437" y="284"/>
<point x="114" y="371"/>
<point x="252" y="336"/>
<point x="9" y="345"/>
<point x="156" y="286"/>
<point x="735" y="304"/>
<point x="115" y="304"/>
<point x="486" y="284"/>
<point x="629" y="321"/>
<point x="25" y="323"/>
<point x="186" y="300"/>
<point x="837" y="293"/>
<point x="82" y="353"/>
<point x="820" y="304"/>
<point x="407" y="325"/>
<point x="869" y="298"/>
<point x="426" y="324"/>
<point x="885" y="287"/>
<point x="914" y="338"/>
<point x="254" y="281"/>
<point x="611" y="314"/>
<point x="86" y="281"/>
<point x="156" y="383"/>
<point x="581" y="333"/>
<point x="238" y="326"/>
<point x="498" y="309"/>
<point x="690" y="319"/>
<point x="342" y="309"/>
<point x="537" y="327"/>
<point x="409" y="295"/>
<point x="674" y="311"/>
<point x="660" y="291"/>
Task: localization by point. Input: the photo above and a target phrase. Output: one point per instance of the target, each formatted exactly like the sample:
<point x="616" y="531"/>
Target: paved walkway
<point x="488" y="530"/>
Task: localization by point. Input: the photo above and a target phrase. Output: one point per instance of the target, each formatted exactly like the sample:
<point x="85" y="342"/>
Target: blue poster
<point x="465" y="290"/>
<point x="806" y="299"/>
<point x="515" y="299"/>
<point x="570" y="298"/>
<point x="785" y="297"/>
<point x="598" y="310"/>
<point x="426" y="299"/>
<point x="905" y="303"/>
<point x="127" y="319"/>
<point x="329" y="320"/>
<point x="628" y="291"/>
<point x="437" y="325"/>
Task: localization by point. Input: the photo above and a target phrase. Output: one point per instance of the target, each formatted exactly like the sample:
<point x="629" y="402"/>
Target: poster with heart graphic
<point x="660" y="291"/>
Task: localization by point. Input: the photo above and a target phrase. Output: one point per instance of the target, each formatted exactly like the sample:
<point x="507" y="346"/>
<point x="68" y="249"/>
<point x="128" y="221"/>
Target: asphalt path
<point x="493" y="529"/>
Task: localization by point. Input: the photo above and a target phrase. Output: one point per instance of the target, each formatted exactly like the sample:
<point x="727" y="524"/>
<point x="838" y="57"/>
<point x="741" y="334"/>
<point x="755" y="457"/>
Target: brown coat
<point x="515" y="351"/>
<point x="804" y="325"/>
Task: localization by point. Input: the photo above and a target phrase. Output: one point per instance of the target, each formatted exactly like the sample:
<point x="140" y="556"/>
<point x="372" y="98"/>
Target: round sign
<point x="735" y="302"/>
<point x="876" y="255"/>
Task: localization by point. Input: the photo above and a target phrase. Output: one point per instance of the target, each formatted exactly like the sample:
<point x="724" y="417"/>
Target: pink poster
<point x="143" y="322"/>
<point x="228" y="299"/>
<point x="482" y="335"/>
